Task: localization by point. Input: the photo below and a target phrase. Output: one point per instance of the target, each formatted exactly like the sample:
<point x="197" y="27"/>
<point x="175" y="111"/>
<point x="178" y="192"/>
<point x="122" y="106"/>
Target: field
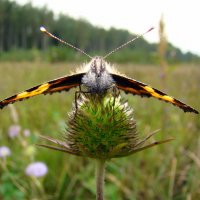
<point x="169" y="171"/>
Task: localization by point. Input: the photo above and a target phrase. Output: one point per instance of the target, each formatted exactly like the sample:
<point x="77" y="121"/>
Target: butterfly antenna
<point x="43" y="29"/>
<point x="125" y="44"/>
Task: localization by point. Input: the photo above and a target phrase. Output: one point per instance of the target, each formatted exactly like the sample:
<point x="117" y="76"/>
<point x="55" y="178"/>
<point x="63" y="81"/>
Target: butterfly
<point x="98" y="79"/>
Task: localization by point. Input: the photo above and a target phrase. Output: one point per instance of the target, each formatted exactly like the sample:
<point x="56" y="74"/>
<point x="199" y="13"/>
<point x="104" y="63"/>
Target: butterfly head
<point x="97" y="79"/>
<point x="98" y="66"/>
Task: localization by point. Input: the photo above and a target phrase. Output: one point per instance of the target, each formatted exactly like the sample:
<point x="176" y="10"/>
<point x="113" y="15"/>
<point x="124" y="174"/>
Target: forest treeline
<point x="21" y="39"/>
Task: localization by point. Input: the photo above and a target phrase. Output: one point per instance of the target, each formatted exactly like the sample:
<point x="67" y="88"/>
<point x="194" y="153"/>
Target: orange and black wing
<point x="137" y="88"/>
<point x="57" y="85"/>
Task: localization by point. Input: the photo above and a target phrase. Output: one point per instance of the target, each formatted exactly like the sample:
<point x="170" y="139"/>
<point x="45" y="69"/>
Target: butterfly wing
<point x="137" y="88"/>
<point x="57" y="85"/>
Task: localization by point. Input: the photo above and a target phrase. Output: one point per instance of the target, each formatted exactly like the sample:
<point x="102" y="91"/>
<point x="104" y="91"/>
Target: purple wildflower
<point x="14" y="131"/>
<point x="26" y="132"/>
<point x="4" y="152"/>
<point x="36" y="169"/>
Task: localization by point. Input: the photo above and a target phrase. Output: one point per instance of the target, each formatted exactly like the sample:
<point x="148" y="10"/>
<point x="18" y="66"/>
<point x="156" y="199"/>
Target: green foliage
<point x="8" y="190"/>
<point x="58" y="54"/>
<point x="21" y="55"/>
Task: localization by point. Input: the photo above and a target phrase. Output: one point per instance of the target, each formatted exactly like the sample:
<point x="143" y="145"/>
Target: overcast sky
<point x="181" y="17"/>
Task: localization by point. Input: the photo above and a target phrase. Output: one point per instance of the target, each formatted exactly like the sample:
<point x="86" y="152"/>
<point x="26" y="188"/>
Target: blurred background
<point x="167" y="58"/>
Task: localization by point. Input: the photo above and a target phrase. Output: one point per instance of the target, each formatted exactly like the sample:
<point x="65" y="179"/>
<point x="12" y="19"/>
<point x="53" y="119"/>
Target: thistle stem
<point x="100" y="171"/>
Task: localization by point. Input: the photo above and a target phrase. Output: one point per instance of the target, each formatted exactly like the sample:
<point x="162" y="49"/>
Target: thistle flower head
<point x="14" y="131"/>
<point x="26" y="132"/>
<point x="36" y="169"/>
<point x="100" y="127"/>
<point x="4" y="152"/>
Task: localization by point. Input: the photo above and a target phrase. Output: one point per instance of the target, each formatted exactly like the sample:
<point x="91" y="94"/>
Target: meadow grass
<point x="169" y="171"/>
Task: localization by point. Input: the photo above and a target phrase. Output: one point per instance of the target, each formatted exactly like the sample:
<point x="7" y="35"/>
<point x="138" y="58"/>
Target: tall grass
<point x="170" y="171"/>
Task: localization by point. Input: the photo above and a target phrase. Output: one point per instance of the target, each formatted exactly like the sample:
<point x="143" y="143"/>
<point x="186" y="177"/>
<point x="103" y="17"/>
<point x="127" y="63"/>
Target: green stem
<point x="100" y="171"/>
<point x="13" y="179"/>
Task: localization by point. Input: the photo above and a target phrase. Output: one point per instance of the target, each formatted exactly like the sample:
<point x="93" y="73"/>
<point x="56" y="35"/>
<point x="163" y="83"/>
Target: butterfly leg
<point x="115" y="93"/>
<point x="77" y="96"/>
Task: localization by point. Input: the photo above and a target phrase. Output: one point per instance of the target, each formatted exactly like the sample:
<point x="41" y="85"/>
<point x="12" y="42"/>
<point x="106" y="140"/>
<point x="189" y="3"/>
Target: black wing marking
<point x="57" y="85"/>
<point x="137" y="88"/>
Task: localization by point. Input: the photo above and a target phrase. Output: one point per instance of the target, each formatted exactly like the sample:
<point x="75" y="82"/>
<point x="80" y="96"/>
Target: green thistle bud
<point x="101" y="127"/>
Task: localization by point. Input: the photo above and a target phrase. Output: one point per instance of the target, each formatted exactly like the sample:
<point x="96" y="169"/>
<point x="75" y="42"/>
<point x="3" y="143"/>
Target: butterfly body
<point x="97" y="79"/>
